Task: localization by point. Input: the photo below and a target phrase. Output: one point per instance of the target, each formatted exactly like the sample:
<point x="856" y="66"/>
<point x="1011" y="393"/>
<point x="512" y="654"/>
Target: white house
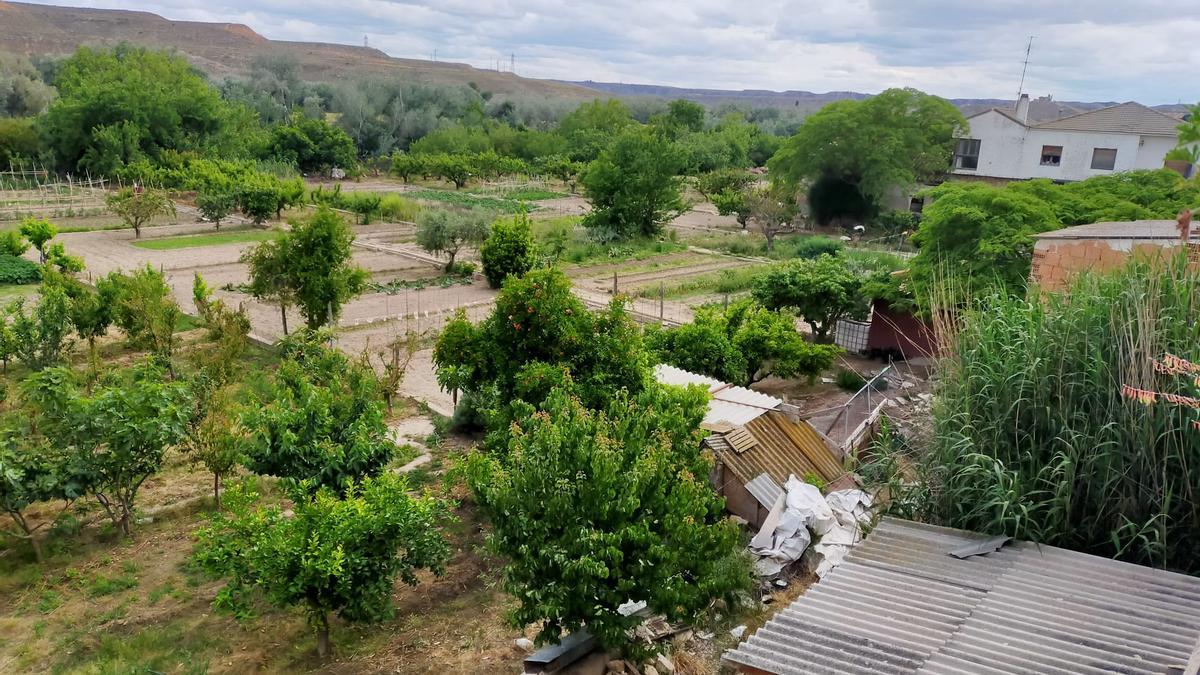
<point x="1003" y="144"/>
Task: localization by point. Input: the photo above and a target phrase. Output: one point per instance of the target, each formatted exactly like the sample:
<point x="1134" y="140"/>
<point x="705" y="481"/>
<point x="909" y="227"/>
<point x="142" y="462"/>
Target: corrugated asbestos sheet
<point x="765" y="490"/>
<point x="784" y="448"/>
<point x="901" y="604"/>
<point x="735" y="405"/>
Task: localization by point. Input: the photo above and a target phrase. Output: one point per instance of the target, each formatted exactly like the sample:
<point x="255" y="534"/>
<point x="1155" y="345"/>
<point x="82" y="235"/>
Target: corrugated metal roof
<point x="901" y="604"/>
<point x="1131" y="229"/>
<point x="765" y="490"/>
<point x="784" y="448"/>
<point x="735" y="405"/>
<point x="1125" y="118"/>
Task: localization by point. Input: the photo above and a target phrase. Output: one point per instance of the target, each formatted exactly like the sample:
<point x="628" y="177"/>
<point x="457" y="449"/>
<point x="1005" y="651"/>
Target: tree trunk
<point x="770" y="234"/>
<point x="323" y="636"/>
<point x="450" y="264"/>
<point x="137" y="231"/>
<point x="37" y="548"/>
<point x="217" y="489"/>
<point x="283" y="313"/>
<point x="29" y="534"/>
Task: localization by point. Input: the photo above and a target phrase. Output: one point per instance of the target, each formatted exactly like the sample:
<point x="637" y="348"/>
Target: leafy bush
<point x="509" y="250"/>
<point x="811" y="248"/>
<point x="12" y="243"/>
<point x="849" y="380"/>
<point x="15" y="270"/>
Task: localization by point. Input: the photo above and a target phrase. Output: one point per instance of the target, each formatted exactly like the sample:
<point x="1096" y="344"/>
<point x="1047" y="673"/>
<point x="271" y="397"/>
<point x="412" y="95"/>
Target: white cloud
<point x="1094" y="50"/>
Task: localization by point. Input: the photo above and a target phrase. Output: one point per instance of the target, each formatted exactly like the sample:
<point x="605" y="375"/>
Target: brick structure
<point x="1060" y="255"/>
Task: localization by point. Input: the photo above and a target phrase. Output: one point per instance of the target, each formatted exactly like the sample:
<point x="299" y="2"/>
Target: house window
<point x="966" y="154"/>
<point x="1051" y="155"/>
<point x="1104" y="158"/>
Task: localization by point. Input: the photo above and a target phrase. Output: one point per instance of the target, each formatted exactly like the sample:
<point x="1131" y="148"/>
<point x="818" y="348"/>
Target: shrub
<point x="811" y="248"/>
<point x="849" y="380"/>
<point x="12" y="243"/>
<point x="15" y="270"/>
<point x="509" y="250"/>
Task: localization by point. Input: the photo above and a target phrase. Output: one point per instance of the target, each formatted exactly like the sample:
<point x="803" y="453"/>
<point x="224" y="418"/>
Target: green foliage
<point x="144" y="308"/>
<point x="1189" y="137"/>
<point x="19" y="141"/>
<point x="686" y="115"/>
<point x="811" y="248"/>
<point x="136" y="207"/>
<point x="91" y="312"/>
<point x="317" y="253"/>
<point x="333" y="553"/>
<point x="313" y="145"/>
<point x="41" y="335"/>
<point x="25" y="94"/>
<point x="741" y="345"/>
<point x="538" y="330"/>
<point x="731" y="203"/>
<point x="269" y="270"/>
<point x="974" y="236"/>
<point x="509" y="251"/>
<point x="590" y="128"/>
<point x="120" y="432"/>
<point x="897" y="138"/>
<point x="118" y="106"/>
<point x="820" y="291"/>
<point x="320" y="422"/>
<point x="15" y="270"/>
<point x="1033" y="439"/>
<point x="833" y="200"/>
<point x="446" y="231"/>
<point x="38" y="231"/>
<point x="849" y="380"/>
<point x="260" y="197"/>
<point x="13" y="244"/>
<point x="591" y="509"/>
<point x="33" y="471"/>
<point x="633" y="186"/>
<point x="57" y="256"/>
<point x="216" y="205"/>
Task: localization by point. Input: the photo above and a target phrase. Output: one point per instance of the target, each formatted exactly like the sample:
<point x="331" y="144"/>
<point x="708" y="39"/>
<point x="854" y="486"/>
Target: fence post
<point x="614" y="283"/>
<point x="662" y="298"/>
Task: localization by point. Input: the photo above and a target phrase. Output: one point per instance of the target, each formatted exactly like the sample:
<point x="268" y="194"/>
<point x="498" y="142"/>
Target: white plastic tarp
<point x="802" y="514"/>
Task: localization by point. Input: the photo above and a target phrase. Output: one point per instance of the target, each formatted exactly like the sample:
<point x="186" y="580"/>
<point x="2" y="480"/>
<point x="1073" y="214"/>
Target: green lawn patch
<point x="736" y="280"/>
<point x="471" y="201"/>
<point x="213" y="239"/>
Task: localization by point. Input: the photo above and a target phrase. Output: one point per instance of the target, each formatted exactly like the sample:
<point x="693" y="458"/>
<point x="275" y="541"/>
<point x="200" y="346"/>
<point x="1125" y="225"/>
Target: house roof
<point x="734" y="405"/>
<point x="1132" y="229"/>
<point x="901" y="604"/>
<point x="784" y="448"/>
<point x="1124" y="118"/>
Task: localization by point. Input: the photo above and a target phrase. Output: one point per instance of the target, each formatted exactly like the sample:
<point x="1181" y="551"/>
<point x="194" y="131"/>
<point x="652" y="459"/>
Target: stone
<point x="525" y="644"/>
<point x="683" y="636"/>
<point x="780" y="583"/>
<point x="766" y="599"/>
<point x="650" y="670"/>
<point x="616" y="666"/>
<point x="738" y="631"/>
<point x="663" y="664"/>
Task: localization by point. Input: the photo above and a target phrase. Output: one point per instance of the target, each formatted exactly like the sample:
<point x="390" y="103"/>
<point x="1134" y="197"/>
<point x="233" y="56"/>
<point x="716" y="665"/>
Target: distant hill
<point x="225" y="49"/>
<point x="1040" y="109"/>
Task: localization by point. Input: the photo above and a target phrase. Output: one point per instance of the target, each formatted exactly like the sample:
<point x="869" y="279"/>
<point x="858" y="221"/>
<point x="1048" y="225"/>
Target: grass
<point x="736" y="280"/>
<point x="210" y="239"/>
<point x="10" y="292"/>
<point x="527" y="193"/>
<point x="472" y="201"/>
<point x="590" y="252"/>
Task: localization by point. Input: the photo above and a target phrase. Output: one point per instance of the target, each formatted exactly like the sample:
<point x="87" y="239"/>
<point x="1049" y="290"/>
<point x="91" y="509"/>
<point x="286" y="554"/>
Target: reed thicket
<point x="1032" y="438"/>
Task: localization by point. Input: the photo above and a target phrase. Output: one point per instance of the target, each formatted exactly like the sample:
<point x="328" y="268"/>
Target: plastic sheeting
<point x="802" y="516"/>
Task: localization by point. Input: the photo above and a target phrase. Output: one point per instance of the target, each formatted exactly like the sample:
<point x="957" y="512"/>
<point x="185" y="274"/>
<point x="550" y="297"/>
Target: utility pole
<point x="1024" y="67"/>
<point x="512" y="63"/>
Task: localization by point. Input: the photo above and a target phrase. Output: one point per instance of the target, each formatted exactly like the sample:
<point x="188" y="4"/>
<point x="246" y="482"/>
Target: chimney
<point x="1023" y="109"/>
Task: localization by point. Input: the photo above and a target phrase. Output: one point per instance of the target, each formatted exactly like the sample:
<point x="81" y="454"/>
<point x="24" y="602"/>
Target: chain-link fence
<point x="849" y="424"/>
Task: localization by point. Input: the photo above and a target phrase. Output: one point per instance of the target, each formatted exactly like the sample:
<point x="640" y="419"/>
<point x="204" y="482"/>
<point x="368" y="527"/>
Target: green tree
<point x="590" y="509"/>
<point x="216" y="205"/>
<point x="743" y="344"/>
<point x="144" y="308"/>
<point x="91" y="313"/>
<point x="332" y="554"/>
<point x="32" y="471"/>
<point x="118" y="106"/>
<point x="717" y="182"/>
<point x="57" y="256"/>
<point x="318" y="254"/>
<point x="457" y="169"/>
<point x="215" y="438"/>
<point x="23" y="92"/>
<point x="974" y="236"/>
<point x="895" y="139"/>
<point x="12" y="243"/>
<point x="121" y="431"/>
<point x="1189" y="138"/>
<point x="771" y="210"/>
<point x="509" y="251"/>
<point x="313" y="145"/>
<point x="686" y="115"/>
<point x="41" y="335"/>
<point x="447" y="231"/>
<point x="269" y="270"/>
<point x="320" y="422"/>
<point x="733" y="203"/>
<point x="19" y="142"/>
<point x="820" y="291"/>
<point x="136" y="207"/>
<point x="38" y="231"/>
<point x="633" y="186"/>
<point x="591" y="127"/>
<point x="260" y="197"/>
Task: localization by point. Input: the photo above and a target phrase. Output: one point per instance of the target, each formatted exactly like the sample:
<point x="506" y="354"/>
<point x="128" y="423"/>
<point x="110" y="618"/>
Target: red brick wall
<point x="1056" y="262"/>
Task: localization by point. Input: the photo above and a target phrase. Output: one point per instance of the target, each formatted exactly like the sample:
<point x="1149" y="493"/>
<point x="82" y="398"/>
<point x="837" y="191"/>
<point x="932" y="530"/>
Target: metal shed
<point x="902" y="604"/>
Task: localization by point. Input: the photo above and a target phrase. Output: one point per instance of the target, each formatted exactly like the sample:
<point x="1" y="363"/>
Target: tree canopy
<point x="897" y="138"/>
<point x="634" y="185"/>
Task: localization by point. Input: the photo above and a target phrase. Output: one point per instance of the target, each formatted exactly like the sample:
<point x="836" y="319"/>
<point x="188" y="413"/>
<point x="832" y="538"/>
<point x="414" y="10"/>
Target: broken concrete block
<point x="664" y="664"/>
<point x="525" y="644"/>
<point x="616" y="666"/>
<point x="738" y="631"/>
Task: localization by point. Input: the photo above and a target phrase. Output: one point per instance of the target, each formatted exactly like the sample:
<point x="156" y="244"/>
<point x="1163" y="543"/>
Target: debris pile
<point x="802" y="516"/>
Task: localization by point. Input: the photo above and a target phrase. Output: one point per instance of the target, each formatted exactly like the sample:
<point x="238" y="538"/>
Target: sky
<point x="1092" y="50"/>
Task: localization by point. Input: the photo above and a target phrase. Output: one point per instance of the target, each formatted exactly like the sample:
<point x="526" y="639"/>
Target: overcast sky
<point x="1083" y="49"/>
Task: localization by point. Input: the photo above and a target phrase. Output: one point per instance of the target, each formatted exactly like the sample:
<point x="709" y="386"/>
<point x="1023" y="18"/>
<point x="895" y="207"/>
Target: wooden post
<point x="614" y="283"/>
<point x="662" y="300"/>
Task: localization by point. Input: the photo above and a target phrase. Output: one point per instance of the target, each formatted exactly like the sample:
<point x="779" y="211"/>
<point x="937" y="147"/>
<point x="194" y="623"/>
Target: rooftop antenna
<point x="1024" y="67"/>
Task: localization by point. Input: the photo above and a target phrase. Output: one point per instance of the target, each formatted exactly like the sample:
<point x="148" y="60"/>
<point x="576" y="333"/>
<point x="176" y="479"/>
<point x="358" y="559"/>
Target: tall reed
<point x="1032" y="438"/>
